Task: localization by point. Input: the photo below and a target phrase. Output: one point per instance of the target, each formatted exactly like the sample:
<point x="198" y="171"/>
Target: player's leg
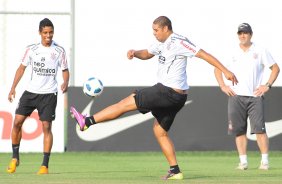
<point x="47" y="113"/>
<point x="241" y="144"/>
<point x="116" y="110"/>
<point x="237" y="125"/>
<point x="263" y="144"/>
<point x="257" y="122"/>
<point x="16" y="139"/>
<point x="109" y="113"/>
<point x="165" y="143"/>
<point x="47" y="146"/>
<point x="168" y="150"/>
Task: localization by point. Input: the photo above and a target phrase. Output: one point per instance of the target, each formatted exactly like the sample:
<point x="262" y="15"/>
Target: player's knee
<point x="17" y="125"/>
<point x="159" y="131"/>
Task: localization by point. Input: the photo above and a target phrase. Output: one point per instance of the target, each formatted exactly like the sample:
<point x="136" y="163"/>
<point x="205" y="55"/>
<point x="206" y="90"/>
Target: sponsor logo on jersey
<point x="188" y="46"/>
<point x="39" y="69"/>
<point x="161" y="59"/>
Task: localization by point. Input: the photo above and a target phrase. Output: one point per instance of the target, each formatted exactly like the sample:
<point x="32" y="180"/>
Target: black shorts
<point x="44" y="103"/>
<point x="162" y="101"/>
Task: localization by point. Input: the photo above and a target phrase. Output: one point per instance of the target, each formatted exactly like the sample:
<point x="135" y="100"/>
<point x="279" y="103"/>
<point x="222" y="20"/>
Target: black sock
<point x="46" y="157"/>
<point x="89" y="121"/>
<point x="174" y="169"/>
<point x="15" y="148"/>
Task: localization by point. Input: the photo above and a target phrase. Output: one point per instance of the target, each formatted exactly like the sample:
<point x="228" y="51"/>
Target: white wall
<point x="20" y="30"/>
<point x="106" y="29"/>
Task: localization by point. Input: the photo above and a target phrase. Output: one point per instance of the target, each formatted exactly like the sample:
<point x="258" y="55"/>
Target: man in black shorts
<point x="41" y="93"/>
<point x="165" y="98"/>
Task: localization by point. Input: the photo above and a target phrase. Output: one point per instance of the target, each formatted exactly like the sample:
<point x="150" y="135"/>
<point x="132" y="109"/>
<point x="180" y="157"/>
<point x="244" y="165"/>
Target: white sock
<point x="243" y="159"/>
<point x="264" y="158"/>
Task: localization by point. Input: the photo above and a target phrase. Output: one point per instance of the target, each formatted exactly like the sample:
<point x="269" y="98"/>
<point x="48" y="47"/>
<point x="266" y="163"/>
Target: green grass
<point x="140" y="168"/>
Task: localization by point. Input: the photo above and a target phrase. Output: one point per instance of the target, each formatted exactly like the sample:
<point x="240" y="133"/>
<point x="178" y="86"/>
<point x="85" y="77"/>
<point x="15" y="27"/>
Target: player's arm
<point x="224" y="88"/>
<point x="219" y="78"/>
<point x="274" y="74"/>
<point x="261" y="90"/>
<point x="140" y="54"/>
<point x="66" y="77"/>
<point x="213" y="61"/>
<point x="19" y="73"/>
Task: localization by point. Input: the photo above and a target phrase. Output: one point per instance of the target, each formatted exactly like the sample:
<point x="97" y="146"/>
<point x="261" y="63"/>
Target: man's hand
<point x="12" y="95"/>
<point x="261" y="90"/>
<point x="230" y="76"/>
<point x="130" y="54"/>
<point x="227" y="90"/>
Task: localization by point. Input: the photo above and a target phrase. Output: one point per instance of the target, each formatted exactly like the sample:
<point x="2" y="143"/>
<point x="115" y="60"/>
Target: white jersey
<point x="248" y="67"/>
<point x="44" y="62"/>
<point x="173" y="54"/>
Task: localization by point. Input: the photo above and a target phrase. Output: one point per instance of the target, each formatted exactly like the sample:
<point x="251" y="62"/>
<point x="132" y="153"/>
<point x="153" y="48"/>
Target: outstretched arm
<point x="213" y="61"/>
<point x="140" y="54"/>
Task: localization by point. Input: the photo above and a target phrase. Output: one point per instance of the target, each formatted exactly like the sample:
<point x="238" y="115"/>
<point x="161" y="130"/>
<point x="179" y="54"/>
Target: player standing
<point x="246" y="99"/>
<point x="41" y="93"/>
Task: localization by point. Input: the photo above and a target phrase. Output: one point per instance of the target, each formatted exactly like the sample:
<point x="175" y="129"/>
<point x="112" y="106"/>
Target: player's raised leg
<point x="109" y="113"/>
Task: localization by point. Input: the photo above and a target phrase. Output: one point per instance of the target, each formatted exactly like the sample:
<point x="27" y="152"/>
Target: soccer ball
<point x="93" y="87"/>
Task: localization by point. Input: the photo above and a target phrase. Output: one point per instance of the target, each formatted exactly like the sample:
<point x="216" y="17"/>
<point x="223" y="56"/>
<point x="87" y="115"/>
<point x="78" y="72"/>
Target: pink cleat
<point x="80" y="119"/>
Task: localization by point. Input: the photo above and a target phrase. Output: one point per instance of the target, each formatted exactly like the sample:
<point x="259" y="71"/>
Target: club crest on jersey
<point x="255" y="55"/>
<point x="169" y="45"/>
<point x="53" y="56"/>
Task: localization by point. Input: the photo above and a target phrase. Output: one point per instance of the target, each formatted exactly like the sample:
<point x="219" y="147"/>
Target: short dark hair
<point x="45" y="22"/>
<point x="163" y="21"/>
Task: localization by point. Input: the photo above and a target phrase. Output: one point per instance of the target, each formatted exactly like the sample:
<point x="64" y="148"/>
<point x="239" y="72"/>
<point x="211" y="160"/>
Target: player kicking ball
<point x="166" y="98"/>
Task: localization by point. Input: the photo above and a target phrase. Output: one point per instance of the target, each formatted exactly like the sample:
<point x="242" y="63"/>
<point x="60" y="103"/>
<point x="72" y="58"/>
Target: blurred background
<point x="97" y="35"/>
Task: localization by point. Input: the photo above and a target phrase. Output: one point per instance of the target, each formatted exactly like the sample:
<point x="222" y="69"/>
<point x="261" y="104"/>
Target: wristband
<point x="268" y="85"/>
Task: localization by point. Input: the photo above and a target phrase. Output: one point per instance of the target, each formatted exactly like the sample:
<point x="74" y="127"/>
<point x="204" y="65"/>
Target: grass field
<point x="140" y="168"/>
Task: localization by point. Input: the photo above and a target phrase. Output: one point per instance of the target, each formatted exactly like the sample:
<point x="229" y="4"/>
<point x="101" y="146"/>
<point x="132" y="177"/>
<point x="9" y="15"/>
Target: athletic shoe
<point x="242" y="166"/>
<point x="12" y="165"/>
<point x="172" y="176"/>
<point x="43" y="170"/>
<point x="80" y="119"/>
<point x="263" y="166"/>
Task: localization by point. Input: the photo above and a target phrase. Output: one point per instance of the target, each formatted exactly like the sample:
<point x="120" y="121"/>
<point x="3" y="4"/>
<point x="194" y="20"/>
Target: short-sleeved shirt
<point x="172" y="57"/>
<point x="248" y="66"/>
<point x="44" y="62"/>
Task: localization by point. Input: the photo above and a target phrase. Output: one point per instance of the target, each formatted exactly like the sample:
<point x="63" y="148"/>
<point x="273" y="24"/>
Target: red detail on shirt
<point x="188" y="46"/>
<point x="25" y="54"/>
